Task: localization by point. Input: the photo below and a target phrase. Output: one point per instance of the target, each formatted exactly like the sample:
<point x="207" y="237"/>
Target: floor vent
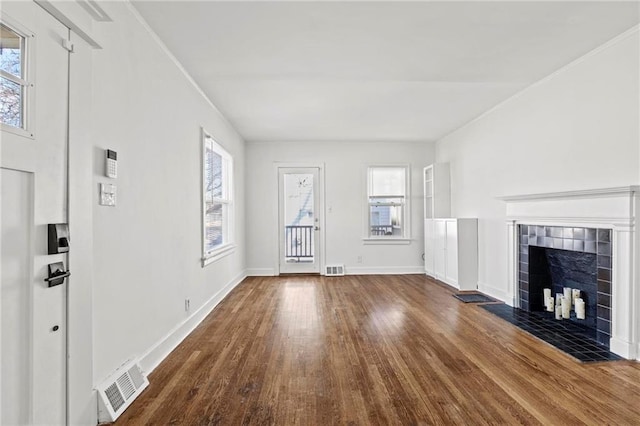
<point x="334" y="270"/>
<point x="119" y="390"/>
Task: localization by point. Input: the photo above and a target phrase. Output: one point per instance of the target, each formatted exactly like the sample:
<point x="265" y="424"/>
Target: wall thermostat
<point x="107" y="194"/>
<point x="111" y="164"/>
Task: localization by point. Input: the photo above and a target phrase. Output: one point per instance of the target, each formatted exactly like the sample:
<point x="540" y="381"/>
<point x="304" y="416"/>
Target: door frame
<point x="320" y="210"/>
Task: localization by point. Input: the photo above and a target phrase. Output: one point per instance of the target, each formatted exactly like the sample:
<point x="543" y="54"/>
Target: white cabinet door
<point x="439" y="234"/>
<point x="451" y="252"/>
<point x="429" y="250"/>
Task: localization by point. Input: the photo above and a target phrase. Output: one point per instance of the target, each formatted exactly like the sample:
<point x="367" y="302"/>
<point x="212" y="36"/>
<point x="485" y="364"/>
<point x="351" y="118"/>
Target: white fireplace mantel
<point x="611" y="208"/>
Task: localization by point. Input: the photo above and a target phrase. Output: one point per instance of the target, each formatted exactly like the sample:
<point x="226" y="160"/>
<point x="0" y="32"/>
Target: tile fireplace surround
<point x="612" y="210"/>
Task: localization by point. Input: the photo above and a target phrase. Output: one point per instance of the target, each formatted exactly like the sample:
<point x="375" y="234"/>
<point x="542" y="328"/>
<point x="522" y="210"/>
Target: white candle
<point x="547" y="295"/>
<point x="550" y="304"/>
<point x="580" y="309"/>
<point x="558" y="312"/>
<point x="567" y="294"/>
<point x="558" y="299"/>
<point x="566" y="307"/>
<point x="575" y="294"/>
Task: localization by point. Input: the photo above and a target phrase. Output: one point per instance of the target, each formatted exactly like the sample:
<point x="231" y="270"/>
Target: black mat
<point x="572" y="339"/>
<point x="473" y="298"/>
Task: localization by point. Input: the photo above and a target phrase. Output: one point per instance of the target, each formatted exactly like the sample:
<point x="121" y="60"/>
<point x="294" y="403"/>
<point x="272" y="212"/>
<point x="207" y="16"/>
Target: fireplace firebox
<point x="580" y="258"/>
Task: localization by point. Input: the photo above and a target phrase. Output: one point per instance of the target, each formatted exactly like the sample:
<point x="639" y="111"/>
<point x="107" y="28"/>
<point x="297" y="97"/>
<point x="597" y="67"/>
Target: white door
<point x="428" y="247"/>
<point x="34" y="194"/>
<point x="439" y="258"/>
<point x="452" y="252"/>
<point x="299" y="220"/>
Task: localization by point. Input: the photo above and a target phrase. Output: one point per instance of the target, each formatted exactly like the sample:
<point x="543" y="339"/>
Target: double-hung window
<point x="14" y="83"/>
<point x="387" y="202"/>
<point x="217" y="205"/>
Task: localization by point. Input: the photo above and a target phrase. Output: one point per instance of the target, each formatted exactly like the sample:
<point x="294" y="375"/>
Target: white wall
<point x="577" y="129"/>
<point x="147" y="249"/>
<point x="345" y="202"/>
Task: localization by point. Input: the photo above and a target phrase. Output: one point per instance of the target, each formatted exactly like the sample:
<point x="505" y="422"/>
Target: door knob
<point x="317" y="228"/>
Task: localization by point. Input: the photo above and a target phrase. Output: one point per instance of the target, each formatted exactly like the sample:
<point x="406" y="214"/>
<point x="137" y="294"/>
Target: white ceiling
<point x="370" y="71"/>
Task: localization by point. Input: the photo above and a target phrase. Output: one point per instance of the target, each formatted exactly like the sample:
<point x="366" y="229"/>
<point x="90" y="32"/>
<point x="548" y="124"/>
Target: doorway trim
<point x="321" y="211"/>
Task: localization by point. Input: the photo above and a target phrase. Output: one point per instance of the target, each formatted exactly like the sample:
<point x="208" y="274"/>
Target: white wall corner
<point x="511" y="295"/>
<point x="496" y="293"/>
<point x="159" y="351"/>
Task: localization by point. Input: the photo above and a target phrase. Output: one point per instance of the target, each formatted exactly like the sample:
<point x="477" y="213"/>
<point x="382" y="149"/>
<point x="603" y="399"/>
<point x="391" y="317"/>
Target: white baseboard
<point x="496" y="293"/>
<point x="383" y="270"/>
<point x="261" y="272"/>
<point x="622" y="348"/>
<point x="158" y="352"/>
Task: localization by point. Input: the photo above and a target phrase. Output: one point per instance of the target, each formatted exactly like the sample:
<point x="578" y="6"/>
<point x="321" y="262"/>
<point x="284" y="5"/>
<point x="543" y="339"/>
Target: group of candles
<point x="563" y="302"/>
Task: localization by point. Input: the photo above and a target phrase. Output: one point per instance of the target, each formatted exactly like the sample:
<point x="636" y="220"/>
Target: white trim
<point x="405" y="238"/>
<point x="93" y="8"/>
<point x="594" y="222"/>
<point x="321" y="211"/>
<point x="495" y="293"/>
<point x="228" y="178"/>
<point x="261" y="272"/>
<point x="545" y="79"/>
<point x="583" y="193"/>
<point x="613" y="208"/>
<point x="28" y="83"/>
<point x="384" y="270"/>
<point x="218" y="254"/>
<point x="622" y="348"/>
<point x="153" y="356"/>
<point x="386" y="241"/>
<point x="67" y="22"/>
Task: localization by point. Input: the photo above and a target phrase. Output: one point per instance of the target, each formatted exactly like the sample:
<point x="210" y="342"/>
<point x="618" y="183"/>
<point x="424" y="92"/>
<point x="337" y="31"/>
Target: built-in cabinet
<point x="450" y="244"/>
<point x="451" y="251"/>
<point x="437" y="199"/>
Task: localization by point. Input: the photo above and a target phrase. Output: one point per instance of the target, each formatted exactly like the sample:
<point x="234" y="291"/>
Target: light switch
<point x="107" y="194"/>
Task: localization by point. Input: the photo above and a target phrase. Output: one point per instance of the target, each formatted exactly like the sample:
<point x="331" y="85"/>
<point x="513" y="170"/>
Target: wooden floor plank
<point x="366" y="350"/>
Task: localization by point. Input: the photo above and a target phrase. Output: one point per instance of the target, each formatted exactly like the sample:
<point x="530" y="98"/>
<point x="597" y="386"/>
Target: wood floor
<point x="374" y="350"/>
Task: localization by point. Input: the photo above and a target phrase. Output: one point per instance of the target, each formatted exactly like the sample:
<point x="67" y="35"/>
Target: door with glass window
<point x="299" y="220"/>
<point x="33" y="174"/>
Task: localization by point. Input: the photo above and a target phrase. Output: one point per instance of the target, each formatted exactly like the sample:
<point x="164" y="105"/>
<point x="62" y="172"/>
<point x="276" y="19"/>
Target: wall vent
<point x="119" y="390"/>
<point x="334" y="270"/>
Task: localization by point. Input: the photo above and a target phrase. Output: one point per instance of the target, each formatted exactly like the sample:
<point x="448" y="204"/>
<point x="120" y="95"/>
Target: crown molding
<point x="631" y="191"/>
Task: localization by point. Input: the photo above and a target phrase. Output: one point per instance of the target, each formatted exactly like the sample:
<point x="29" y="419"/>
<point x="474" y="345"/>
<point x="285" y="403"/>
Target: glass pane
<point x="385" y="221"/>
<point x="217" y="173"/>
<point x="10" y="103"/>
<point x="214" y="221"/>
<point x="213" y="174"/>
<point x="299" y="217"/>
<point x="11" y="51"/>
<point x="386" y="181"/>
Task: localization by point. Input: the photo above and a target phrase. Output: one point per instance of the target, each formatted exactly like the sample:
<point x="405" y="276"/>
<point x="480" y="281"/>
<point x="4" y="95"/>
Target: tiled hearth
<point x="560" y="256"/>
<point x="567" y="336"/>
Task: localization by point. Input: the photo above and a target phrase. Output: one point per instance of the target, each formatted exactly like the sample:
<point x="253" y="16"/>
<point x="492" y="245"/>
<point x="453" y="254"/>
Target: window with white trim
<point x="14" y="84"/>
<point x="217" y="200"/>
<point x="387" y="202"/>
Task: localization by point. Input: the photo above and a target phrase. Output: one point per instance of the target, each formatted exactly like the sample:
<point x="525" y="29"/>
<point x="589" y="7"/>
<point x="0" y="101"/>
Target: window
<point x="217" y="205"/>
<point x="14" y="84"/>
<point x="387" y="202"/>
